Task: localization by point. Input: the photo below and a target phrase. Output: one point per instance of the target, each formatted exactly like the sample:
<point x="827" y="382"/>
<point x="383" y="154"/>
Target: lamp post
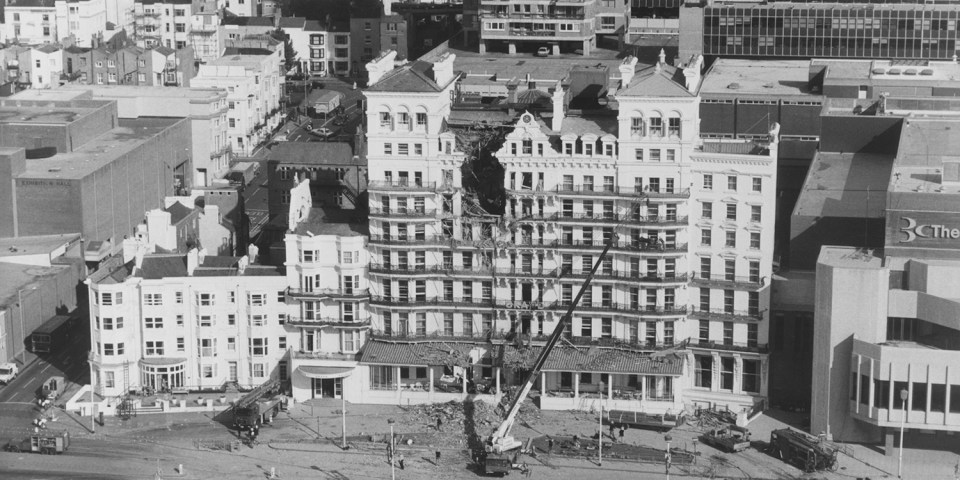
<point x="903" y="419"/>
<point x="666" y="457"/>
<point x="393" y="472"/>
<point x="343" y="415"/>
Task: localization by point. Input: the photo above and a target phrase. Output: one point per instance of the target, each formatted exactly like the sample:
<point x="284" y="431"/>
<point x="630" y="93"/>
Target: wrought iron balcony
<point x="727" y="281"/>
<point x="726" y="314"/>
<point x="398" y="301"/>
<point x="327" y="294"/>
<point x="327" y="322"/>
<point x="729" y="346"/>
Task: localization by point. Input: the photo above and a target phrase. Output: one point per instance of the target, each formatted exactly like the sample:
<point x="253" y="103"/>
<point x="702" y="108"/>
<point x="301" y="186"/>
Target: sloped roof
<point x="249" y="21"/>
<point x="416" y="353"/>
<point x="48" y="48"/>
<point x="413" y="77"/>
<point x="292" y="22"/>
<point x="155" y="267"/>
<point x="652" y="83"/>
<point x="178" y="212"/>
<point x="315" y="153"/>
<point x="596" y="125"/>
<point x="164" y="50"/>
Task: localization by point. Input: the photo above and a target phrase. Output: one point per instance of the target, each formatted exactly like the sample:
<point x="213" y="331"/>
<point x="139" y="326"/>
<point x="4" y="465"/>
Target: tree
<point x="289" y="54"/>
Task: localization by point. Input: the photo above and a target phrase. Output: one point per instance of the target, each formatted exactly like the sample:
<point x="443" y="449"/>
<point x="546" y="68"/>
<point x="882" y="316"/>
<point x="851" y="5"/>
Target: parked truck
<point x="8" y="371"/>
<point x="258" y="406"/>
<point x="804" y="451"/>
<point x="52" y="388"/>
<point x="663" y="422"/>
<point x="49" y="443"/>
<point x="731" y="439"/>
<point x="243" y="173"/>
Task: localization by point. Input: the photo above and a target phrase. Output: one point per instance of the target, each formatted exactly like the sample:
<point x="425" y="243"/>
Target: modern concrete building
<point x="38" y="279"/>
<point x="88" y="171"/>
<point x="678" y="208"/>
<point x="253" y="85"/>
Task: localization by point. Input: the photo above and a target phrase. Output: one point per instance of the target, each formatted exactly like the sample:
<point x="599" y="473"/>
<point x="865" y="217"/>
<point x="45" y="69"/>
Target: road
<point x="69" y="363"/>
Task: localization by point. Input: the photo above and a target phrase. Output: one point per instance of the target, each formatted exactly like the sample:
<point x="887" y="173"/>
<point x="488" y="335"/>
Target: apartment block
<point x="253" y="85"/>
<point x="682" y="293"/>
<point x="322" y="49"/>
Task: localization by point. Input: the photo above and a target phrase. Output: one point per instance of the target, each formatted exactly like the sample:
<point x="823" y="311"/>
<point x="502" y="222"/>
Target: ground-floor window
<point x="160" y="377"/>
<point x="703" y="371"/>
<point x="381" y="378"/>
<point x="726" y="373"/>
<point x="751" y="376"/>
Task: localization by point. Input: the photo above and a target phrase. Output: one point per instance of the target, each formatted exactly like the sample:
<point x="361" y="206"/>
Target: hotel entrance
<point x="325" y="382"/>
<point x="327" y="387"/>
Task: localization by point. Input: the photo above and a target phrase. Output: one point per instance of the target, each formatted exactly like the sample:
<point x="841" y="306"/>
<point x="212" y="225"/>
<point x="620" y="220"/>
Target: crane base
<point x="504" y="444"/>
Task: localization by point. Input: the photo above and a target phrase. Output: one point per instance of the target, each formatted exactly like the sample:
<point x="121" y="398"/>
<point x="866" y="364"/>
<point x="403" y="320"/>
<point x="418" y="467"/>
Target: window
<point x="673" y="127"/>
<point x="755" y="240"/>
<point x="757" y="184"/>
<point x="606" y="327"/>
<point x="386" y="120"/>
<point x="257" y="299"/>
<point x="753" y="335"/>
<point x="586" y="327"/>
<point x="421" y="324"/>
<point x="703" y="375"/>
<point x="179" y="320"/>
<point x="258" y="320"/>
<point x="654" y="154"/>
<point x="205" y="320"/>
<point x="707" y="182"/>
<point x="403" y="149"/>
<point x="208" y="371"/>
<point x="732" y="182"/>
<point x="750" y="380"/>
<point x="180" y="27"/>
<point x="153" y="299"/>
<point x="707" y="210"/>
<point x="154" y="348"/>
<point x="258" y="347"/>
<point x="731" y="211"/>
<point x="638" y="154"/>
<point x="448" y="324"/>
<point x="108" y="299"/>
<point x="108" y="379"/>
<point x="258" y="370"/>
<point x="205" y="299"/>
<point x="731" y="239"/>
<point x="351" y="340"/>
<point x="152" y="322"/>
<point x="728" y="333"/>
<point x="755" y="213"/>
<point x="726" y="373"/>
<point x="704" y="333"/>
<point x="421" y="121"/>
<point x="636" y="127"/>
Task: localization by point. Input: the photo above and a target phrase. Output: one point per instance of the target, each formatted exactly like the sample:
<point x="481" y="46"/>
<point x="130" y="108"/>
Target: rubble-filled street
<point x="305" y="442"/>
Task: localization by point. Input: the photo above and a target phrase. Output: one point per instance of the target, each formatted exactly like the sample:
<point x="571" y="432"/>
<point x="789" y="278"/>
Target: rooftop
<point x="29" y="3"/>
<point x="158" y="266"/>
<point x="35" y="244"/>
<point x="248" y="21"/>
<point x="178" y="211"/>
<point x="500" y="67"/>
<point x="315" y="153"/>
<point x="736" y="77"/>
<point x="341" y="223"/>
<point x="414" y="76"/>
<point x="890" y="72"/>
<point x="15" y="278"/>
<point x="845" y="185"/>
<point x="20" y="112"/>
<point x="100" y="151"/>
<point x="107" y="92"/>
<point x="924" y="145"/>
<point x="851" y="257"/>
<point x="735" y="147"/>
<point x="654" y="81"/>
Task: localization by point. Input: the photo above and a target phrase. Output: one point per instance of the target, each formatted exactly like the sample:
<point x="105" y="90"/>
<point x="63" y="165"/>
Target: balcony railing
<point x="617" y="218"/>
<point x="650" y="277"/>
<point x="408" y="213"/>
<point x="729" y="346"/>
<point x="607" y="190"/>
<point x="428" y="301"/>
<point x="328" y="293"/>
<point x="625" y="246"/>
<point x="724" y="281"/>
<point x="327" y="321"/>
<point x="726" y="314"/>
<point x="535" y="339"/>
<point x="401" y="185"/>
<point x="427" y="270"/>
<point x="409" y="240"/>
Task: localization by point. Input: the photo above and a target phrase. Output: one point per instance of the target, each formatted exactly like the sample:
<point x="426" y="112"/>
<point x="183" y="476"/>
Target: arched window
<point x="403" y="121"/>
<point x="420" y="120"/>
<point x="673" y="126"/>
<point x="656" y="126"/>
<point x="386" y="120"/>
<point x="636" y="126"/>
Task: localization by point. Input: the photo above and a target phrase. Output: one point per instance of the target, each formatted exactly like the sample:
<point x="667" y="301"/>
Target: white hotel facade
<point x="428" y="294"/>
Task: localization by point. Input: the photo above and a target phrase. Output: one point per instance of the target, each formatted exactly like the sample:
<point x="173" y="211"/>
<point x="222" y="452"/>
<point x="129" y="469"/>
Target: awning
<point x="325" y="372"/>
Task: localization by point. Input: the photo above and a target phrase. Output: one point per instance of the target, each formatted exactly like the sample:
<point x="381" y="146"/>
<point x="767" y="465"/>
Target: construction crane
<point x="257" y="406"/>
<point x="499" y="456"/>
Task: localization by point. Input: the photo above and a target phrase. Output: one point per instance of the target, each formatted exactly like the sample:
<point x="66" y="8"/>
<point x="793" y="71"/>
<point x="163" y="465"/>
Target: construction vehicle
<point x="52" y="388"/>
<point x="804" y="451"/>
<point x="731" y="440"/>
<point x="50" y="443"/>
<point x="664" y="422"/>
<point x="258" y="406"/>
<point x="500" y="446"/>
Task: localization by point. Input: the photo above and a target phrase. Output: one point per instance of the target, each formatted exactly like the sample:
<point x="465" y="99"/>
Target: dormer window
<point x="527" y="146"/>
<point x="608" y="149"/>
<point x="587" y="149"/>
<point x="568" y="148"/>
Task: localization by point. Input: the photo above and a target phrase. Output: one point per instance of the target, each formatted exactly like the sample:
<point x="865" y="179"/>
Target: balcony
<point x="401" y="186"/>
<point x="410" y="241"/>
<point x="617" y="219"/>
<point x="722" y="314"/>
<point x="398" y="269"/>
<point x="224" y="150"/>
<point x="646" y="277"/>
<point x="729" y="346"/>
<point x="425" y="302"/>
<point x="146" y="14"/>
<point x="326" y="322"/>
<point x="728" y="281"/>
<point x="530" y="272"/>
<point x="410" y="213"/>
<point x="327" y="294"/>
<point x="651" y="247"/>
<point x="488" y="15"/>
<point x="610" y="190"/>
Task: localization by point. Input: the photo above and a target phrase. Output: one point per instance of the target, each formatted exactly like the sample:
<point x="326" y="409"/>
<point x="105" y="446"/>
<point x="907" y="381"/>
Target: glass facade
<point x="838" y="31"/>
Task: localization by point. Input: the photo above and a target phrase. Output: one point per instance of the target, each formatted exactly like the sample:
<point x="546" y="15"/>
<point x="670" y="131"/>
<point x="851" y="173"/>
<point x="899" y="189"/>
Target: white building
<point x="45" y="66"/>
<point x="82" y="20"/>
<point x="164" y="22"/>
<point x="638" y="177"/>
<point x="30" y="22"/>
<point x="315" y="45"/>
<point x="204" y="29"/>
<point x="253" y="95"/>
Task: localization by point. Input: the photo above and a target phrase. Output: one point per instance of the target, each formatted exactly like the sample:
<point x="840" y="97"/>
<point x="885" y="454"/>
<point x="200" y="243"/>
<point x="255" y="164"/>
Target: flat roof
<point x="552" y="68"/>
<point x="316" y="153"/>
<point x="15" y="277"/>
<point x="739" y="77"/>
<point x="100" y="151"/>
<point x="335" y="222"/>
<point x="845" y="185"/>
<point x="62" y="94"/>
<point x="35" y="244"/>
<point x="133" y="91"/>
<point x="924" y="145"/>
<point x="19" y="111"/>
<point x="851" y="257"/>
<point x="890" y="72"/>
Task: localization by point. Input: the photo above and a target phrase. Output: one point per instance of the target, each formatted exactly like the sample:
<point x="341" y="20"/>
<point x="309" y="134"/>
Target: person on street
<point x="612" y="431"/>
<point x="400" y="460"/>
<point x="550" y="445"/>
<point x="439" y="424"/>
<point x="438" y="457"/>
<point x="621" y="434"/>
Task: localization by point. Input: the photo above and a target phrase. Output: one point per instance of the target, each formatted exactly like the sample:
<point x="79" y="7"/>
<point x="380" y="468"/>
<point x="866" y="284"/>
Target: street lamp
<point x="903" y="420"/>
<point x="393" y="472"/>
<point x="666" y="457"/>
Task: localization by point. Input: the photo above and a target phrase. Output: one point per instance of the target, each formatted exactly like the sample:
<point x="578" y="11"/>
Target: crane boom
<point x="501" y="440"/>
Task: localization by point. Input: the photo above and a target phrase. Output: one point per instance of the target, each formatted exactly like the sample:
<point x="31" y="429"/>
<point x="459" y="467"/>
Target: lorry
<point x="258" y="406"/>
<point x="802" y="450"/>
<point x="47" y="443"/>
<point x="663" y="422"/>
<point x="52" y="388"/>
<point x="323" y="103"/>
<point x="8" y="371"/>
<point x="732" y="439"/>
<point x="243" y="173"/>
<point x="501" y="448"/>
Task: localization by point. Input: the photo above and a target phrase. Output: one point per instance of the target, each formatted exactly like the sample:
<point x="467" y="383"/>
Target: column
<point x="610" y="386"/>
<point x="586" y="48"/>
<point x="737" y="374"/>
<point x="430" y="376"/>
<point x="396" y="377"/>
<point x="929" y="394"/>
<point x="496" y="377"/>
<point x="856" y="407"/>
<point x="543" y="385"/>
<point x="643" y="387"/>
<point x="576" y="384"/>
<point x="483" y="47"/>
<point x="556" y="48"/>
<point x="946" y="383"/>
<point x="872" y="388"/>
<point x="463" y="383"/>
<point x="512" y="48"/>
<point x="888" y="439"/>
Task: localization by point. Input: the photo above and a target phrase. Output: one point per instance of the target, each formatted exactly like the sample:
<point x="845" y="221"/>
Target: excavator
<point x="500" y="455"/>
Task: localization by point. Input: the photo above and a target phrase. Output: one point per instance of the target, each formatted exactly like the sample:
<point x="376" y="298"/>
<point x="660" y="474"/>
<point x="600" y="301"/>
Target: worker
<point x="400" y="460"/>
<point x="439" y="423"/>
<point x="550" y="445"/>
<point x="612" y="429"/>
<point x="621" y="433"/>
<point x="438" y="456"/>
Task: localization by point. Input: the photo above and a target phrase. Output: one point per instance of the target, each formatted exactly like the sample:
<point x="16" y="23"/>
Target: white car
<point x="8" y="371"/>
<point x="543" y="52"/>
<point x="324" y="132"/>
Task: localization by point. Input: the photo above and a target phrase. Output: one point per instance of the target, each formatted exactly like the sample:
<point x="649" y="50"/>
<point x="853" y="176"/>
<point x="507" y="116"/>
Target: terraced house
<point x="462" y="287"/>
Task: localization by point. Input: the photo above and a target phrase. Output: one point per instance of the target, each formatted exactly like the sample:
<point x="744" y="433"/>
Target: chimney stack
<point x="387" y="8"/>
<point x="627" y="69"/>
<point x="557" y="107"/>
<point x="691" y="73"/>
<point x="443" y="69"/>
<point x="193" y="260"/>
<point x="662" y="57"/>
<point x="380" y="66"/>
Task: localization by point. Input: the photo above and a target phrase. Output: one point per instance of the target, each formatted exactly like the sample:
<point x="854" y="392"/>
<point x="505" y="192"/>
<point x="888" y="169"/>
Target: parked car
<point x="8" y="371"/>
<point x="324" y="132"/>
<point x="543" y="52"/>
